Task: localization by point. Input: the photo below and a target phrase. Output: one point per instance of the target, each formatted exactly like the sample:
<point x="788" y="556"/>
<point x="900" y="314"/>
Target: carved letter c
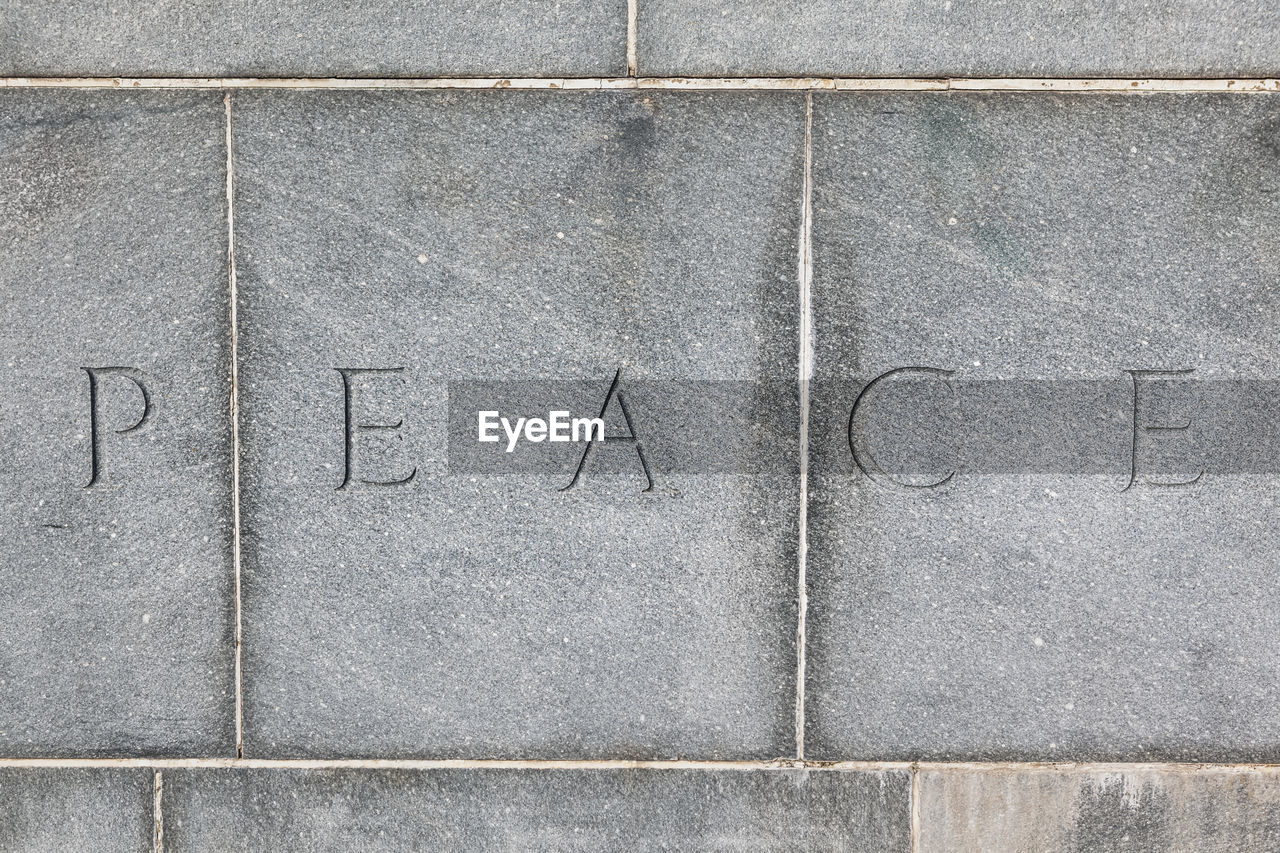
<point x="867" y="463"/>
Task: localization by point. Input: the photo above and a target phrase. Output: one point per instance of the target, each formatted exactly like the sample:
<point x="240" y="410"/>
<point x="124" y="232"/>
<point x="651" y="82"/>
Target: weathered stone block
<point x="998" y="38"/>
<point x="1137" y="810"/>
<point x="594" y="810"/>
<point x="44" y="810"/>
<point x="1026" y="613"/>
<point x="402" y="602"/>
<point x="116" y="590"/>
<point x="249" y="38"/>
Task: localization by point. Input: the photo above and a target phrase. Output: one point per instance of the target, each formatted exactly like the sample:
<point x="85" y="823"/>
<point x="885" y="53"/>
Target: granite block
<point x="997" y="38"/>
<point x="1029" y="613"/>
<point x="45" y="810"/>
<point x="116" y="591"/>
<point x="401" y="38"/>
<point x="597" y="810"/>
<point x="391" y="246"/>
<point x="1134" y="810"/>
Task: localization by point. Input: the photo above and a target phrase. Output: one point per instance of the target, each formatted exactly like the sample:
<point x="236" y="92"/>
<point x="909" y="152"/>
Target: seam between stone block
<point x="633" y="38"/>
<point x="804" y="274"/>
<point x="157" y="814"/>
<point x="235" y="427"/>
<point x="915" y="809"/>
<point x="451" y="764"/>
<point x="845" y="84"/>
<point x="1172" y="768"/>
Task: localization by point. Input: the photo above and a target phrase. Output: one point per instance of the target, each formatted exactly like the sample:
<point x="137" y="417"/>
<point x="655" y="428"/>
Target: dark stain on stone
<point x="1111" y="818"/>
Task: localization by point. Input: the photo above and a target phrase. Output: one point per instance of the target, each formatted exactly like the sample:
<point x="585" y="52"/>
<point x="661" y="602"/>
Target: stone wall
<point x="934" y="350"/>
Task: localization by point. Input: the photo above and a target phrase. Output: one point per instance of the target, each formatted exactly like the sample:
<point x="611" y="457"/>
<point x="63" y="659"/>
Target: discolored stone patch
<point x="1169" y="810"/>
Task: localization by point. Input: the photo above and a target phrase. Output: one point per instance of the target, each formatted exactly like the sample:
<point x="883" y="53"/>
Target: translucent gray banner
<point x="911" y="426"/>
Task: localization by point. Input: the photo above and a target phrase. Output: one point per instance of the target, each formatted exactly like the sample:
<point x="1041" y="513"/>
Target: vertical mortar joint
<point x="805" y="360"/>
<point x="157" y="813"/>
<point x="633" y="14"/>
<point x="233" y="296"/>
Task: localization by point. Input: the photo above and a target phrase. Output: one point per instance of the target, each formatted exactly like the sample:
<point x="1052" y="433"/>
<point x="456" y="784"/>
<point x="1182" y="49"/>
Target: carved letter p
<point x="97" y="463"/>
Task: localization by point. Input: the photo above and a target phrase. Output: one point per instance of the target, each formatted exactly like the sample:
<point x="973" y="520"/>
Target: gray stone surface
<point x="1138" y="810"/>
<point x="513" y="236"/>
<point x="401" y="38"/>
<point x="116" y="598"/>
<point x="994" y="38"/>
<point x="597" y="810"/>
<point x="52" y="811"/>
<point x="1042" y="615"/>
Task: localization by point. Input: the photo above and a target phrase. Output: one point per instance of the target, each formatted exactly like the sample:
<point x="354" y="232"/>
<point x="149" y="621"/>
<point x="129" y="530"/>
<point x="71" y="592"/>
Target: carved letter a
<point x="615" y="393"/>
